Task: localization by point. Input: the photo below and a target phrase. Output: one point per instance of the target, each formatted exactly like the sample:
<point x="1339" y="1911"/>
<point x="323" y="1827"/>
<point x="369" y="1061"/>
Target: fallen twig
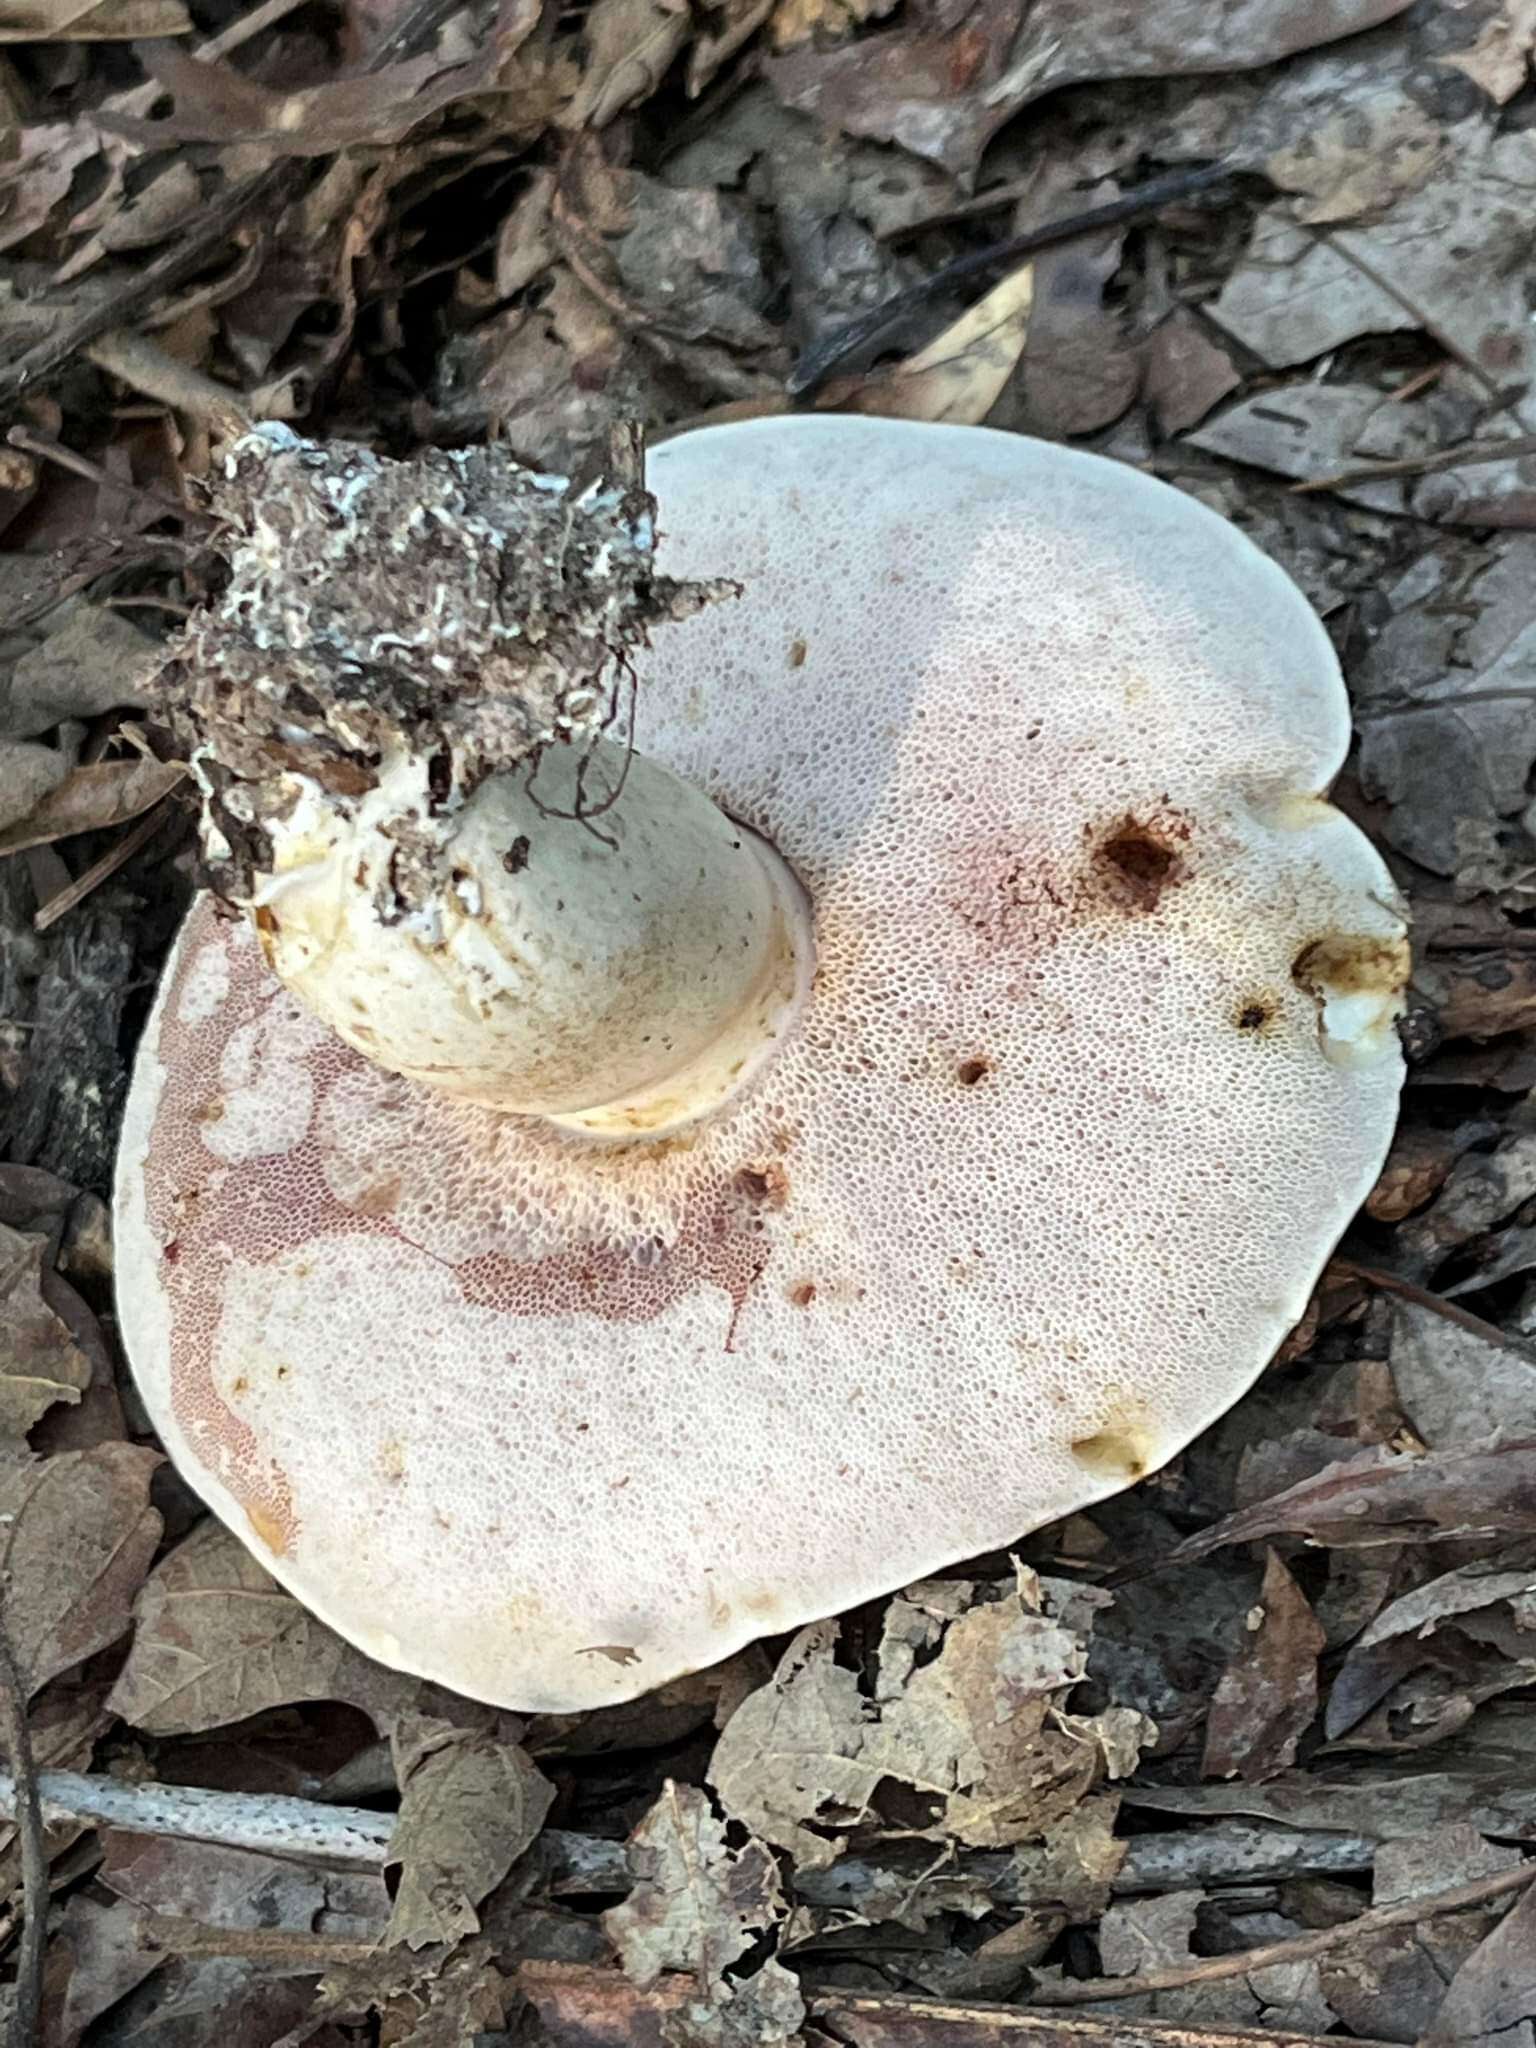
<point x="145" y="366"/>
<point x="1467" y="456"/>
<point x="588" y="1865"/>
<point x="292" y="1947"/>
<point x="585" y="2005"/>
<point x="1436" y="1304"/>
<point x="270" y="1822"/>
<point x="28" y="1813"/>
<point x="50" y="450"/>
<point x="1296" y="1949"/>
<point x="139" y="834"/>
<point x="848" y="346"/>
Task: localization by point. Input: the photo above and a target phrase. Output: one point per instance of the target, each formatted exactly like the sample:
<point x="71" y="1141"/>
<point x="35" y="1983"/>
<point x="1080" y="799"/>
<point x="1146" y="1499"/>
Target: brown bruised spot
<point x="803" y="1293"/>
<point x="212" y="1111"/>
<point x="515" y="859"/>
<point x="273" y="1528"/>
<point x="267" y="929"/>
<point x="1138" y="859"/>
<point x="1255" y="1013"/>
<point x="1122" y="1454"/>
<point x="1025" y="897"/>
<point x="1352" y="964"/>
<point x="971" y="1071"/>
<point x="764" y="1182"/>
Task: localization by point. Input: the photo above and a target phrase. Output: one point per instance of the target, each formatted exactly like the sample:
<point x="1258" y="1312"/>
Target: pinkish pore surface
<point x="1025" y="1200"/>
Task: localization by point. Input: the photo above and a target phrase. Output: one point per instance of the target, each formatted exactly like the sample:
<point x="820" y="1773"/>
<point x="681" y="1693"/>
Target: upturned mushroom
<point x="594" y="1206"/>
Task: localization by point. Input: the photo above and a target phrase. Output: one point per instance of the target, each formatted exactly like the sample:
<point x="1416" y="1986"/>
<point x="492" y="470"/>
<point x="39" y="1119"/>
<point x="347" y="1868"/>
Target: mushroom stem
<point x="602" y="945"/>
<point x="397" y="712"/>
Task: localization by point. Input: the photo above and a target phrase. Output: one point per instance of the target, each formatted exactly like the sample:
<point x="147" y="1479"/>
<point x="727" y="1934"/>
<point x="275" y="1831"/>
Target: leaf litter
<point x="1288" y="1683"/>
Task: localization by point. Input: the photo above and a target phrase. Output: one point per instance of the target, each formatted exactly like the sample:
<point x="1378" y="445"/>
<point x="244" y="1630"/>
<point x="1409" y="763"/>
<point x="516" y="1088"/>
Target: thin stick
<point x="34" y="443"/>
<point x="1437" y="1305"/>
<point x="1207" y="1969"/>
<point x="200" y="241"/>
<point x="140" y="99"/>
<point x="269" y="1822"/>
<point x="847" y="345"/>
<point x="28" y="1810"/>
<point x="1466" y="455"/>
<point x="140" y="362"/>
<point x="585" y="1865"/>
<point x="294" y="1946"/>
<point x="143" y="830"/>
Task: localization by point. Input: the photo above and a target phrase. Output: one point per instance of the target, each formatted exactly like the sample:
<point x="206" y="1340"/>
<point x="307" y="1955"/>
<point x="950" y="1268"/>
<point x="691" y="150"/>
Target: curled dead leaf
<point x="960" y="374"/>
<point x="90" y="799"/>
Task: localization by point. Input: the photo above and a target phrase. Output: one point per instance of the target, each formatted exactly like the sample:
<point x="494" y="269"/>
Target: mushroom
<point x="907" y="1102"/>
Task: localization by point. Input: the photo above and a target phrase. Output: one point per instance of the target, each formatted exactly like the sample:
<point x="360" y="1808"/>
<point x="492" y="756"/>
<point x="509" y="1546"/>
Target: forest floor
<point x="1280" y="253"/>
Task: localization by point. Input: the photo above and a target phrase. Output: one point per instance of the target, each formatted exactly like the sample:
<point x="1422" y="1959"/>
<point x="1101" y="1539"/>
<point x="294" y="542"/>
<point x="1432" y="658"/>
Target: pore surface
<point x="1033" y="1192"/>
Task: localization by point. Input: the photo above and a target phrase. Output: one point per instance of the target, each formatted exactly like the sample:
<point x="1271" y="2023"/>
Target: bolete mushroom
<point x="666" y="1200"/>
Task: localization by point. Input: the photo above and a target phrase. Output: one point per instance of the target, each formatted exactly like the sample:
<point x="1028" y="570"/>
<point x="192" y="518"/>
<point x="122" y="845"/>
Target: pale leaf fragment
<point x="980" y="1730"/>
<point x="470" y="1804"/>
<point x="630" y="47"/>
<point x="218" y="1640"/>
<point x="90" y="21"/>
<point x="960" y="375"/>
<point x="79" y="1533"/>
<point x="92" y="798"/>
<point x="699" y="1905"/>
<point x="40" y="1361"/>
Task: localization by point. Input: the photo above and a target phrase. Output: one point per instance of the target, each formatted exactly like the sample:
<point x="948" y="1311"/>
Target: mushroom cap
<point x="1099" y="1062"/>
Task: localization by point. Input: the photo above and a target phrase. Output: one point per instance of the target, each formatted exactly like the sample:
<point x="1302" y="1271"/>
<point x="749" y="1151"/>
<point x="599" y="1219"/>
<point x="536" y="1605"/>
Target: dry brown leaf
<point x="525" y="244"/>
<point x="1445" y="251"/>
<point x="217" y="1640"/>
<point x="1415" y="1172"/>
<point x="224" y="1887"/>
<point x="39" y="175"/>
<point x="630" y="47"/>
<point x="465" y="2000"/>
<point x="94" y="661"/>
<point x="1267" y="1695"/>
<point x="469" y="1806"/>
<point x="1500" y="59"/>
<point x="980" y="1731"/>
<point x="943" y="83"/>
<point x="90" y="21"/>
<point x="40" y="1361"/>
<point x="730" y="23"/>
<point x="93" y="798"/>
<point x="1494" y="1991"/>
<point x="78" y="1537"/>
<point x="699" y="1905"/>
<point x="1374" y="150"/>
<point x="1292" y="295"/>
<point x="1457" y="1386"/>
<point x="1186" y="373"/>
<point x="95" y="1957"/>
<point x="794" y="22"/>
<point x="217" y="103"/>
<point x="960" y="375"/>
<point x="29" y="771"/>
<point x="1379" y="1497"/>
